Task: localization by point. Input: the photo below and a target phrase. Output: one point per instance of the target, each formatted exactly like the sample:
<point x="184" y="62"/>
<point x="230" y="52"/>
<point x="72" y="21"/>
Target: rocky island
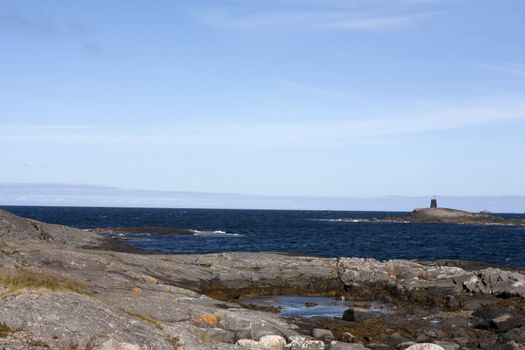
<point x="435" y="215"/>
<point x="66" y="288"/>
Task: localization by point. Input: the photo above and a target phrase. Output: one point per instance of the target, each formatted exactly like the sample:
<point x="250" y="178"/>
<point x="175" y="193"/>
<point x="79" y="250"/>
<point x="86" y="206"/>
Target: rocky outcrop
<point x="413" y="276"/>
<point x="63" y="288"/>
<point x="446" y="216"/>
<point x="13" y="228"/>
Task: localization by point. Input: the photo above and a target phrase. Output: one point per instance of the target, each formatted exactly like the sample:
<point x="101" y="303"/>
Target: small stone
<point x="421" y="338"/>
<point x="357" y="314"/>
<point x="273" y="342"/>
<point x="405" y="345"/>
<point x="477" y="303"/>
<point x="335" y="345"/>
<point x="506" y="322"/>
<point x="395" y="339"/>
<point x="348" y="337"/>
<point x="447" y="345"/>
<point x="433" y="333"/>
<point x="452" y="301"/>
<point x="260" y="330"/>
<point x="425" y="346"/>
<point x="322" y="333"/>
<point x="248" y="343"/>
<point x="516" y="334"/>
<point x="296" y="338"/>
<point x="300" y="343"/>
<point x="512" y="345"/>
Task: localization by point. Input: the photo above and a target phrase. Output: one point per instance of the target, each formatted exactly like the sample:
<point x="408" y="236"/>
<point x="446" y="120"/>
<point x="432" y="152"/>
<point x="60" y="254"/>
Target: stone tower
<point x="433" y="203"/>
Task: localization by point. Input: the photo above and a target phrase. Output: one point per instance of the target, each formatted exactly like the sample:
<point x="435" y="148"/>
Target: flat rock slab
<point x="89" y="322"/>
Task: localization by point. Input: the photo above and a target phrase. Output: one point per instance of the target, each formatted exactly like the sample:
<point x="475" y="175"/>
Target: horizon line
<point x="174" y="191"/>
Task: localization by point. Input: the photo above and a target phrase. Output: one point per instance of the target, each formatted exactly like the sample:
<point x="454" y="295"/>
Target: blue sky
<point x="290" y="97"/>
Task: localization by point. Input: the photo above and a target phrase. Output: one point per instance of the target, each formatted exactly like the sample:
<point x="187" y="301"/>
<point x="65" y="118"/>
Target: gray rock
<point x="395" y="339"/>
<point x="421" y="338"/>
<point x="88" y="321"/>
<point x="162" y="301"/>
<point x="425" y="346"/>
<point x="478" y="302"/>
<point x="447" y="345"/>
<point x="358" y="314"/>
<point x="301" y="343"/>
<point x="115" y="345"/>
<point x="506" y="322"/>
<point x="259" y="330"/>
<point x="249" y="344"/>
<point x="404" y="345"/>
<point x="335" y="345"/>
<point x="348" y="337"/>
<point x="322" y="333"/>
<point x="512" y="345"/>
<point x="272" y="342"/>
<point x="516" y="334"/>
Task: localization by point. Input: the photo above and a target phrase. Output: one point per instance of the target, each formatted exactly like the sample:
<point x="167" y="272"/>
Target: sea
<point x="316" y="233"/>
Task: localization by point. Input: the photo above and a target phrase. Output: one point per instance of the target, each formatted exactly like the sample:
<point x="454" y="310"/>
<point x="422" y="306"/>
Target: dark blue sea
<point x="318" y="233"/>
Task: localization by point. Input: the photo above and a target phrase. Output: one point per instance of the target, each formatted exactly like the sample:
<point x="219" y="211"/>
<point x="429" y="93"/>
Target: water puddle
<point x="304" y="306"/>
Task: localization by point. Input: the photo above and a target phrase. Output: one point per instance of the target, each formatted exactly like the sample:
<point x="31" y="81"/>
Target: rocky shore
<point x="65" y="288"/>
<point x="446" y="216"/>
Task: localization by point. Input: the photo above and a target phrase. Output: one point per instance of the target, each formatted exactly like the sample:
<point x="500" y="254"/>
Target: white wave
<point x="217" y="233"/>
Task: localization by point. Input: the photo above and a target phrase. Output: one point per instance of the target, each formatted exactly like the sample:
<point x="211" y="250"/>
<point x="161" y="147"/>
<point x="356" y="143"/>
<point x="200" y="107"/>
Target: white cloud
<point x="419" y="119"/>
<point x="312" y="21"/>
<point x="509" y="68"/>
<point x="313" y="90"/>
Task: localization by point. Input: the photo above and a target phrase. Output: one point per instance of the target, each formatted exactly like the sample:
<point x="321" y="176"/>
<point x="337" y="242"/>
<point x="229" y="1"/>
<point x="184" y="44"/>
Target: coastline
<point x="138" y="300"/>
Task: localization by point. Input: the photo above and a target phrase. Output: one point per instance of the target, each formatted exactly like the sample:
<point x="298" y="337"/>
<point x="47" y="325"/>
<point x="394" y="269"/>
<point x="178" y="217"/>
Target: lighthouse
<point x="433" y="203"/>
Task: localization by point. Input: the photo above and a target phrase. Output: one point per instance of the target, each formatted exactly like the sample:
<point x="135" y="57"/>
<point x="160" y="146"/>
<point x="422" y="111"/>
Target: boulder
<point x="498" y="282"/>
<point x="259" y="330"/>
<point x="358" y="314"/>
<point x="348" y="337"/>
<point x="322" y="333"/>
<point x="301" y="343"/>
<point x="506" y="322"/>
<point x="425" y="346"/>
<point x="272" y="342"/>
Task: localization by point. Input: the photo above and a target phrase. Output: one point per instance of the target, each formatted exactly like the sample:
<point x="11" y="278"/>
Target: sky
<point x="329" y="98"/>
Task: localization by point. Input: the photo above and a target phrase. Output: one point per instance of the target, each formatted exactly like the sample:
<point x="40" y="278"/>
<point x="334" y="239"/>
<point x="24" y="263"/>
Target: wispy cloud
<point x="18" y="21"/>
<point x="442" y="116"/>
<point x="313" y="90"/>
<point x="44" y="27"/>
<point x="509" y="68"/>
<point x="312" y="20"/>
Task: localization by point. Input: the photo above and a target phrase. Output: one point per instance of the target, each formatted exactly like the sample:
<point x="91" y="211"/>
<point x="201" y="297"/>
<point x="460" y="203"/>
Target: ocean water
<point x="319" y="233"/>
